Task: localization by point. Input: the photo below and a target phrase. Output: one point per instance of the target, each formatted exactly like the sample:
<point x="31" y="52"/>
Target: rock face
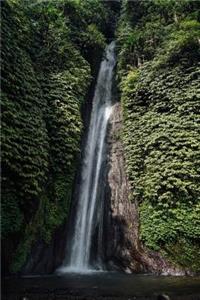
<point x="124" y="251"/>
<point x="45" y="258"/>
<point x="122" y="246"/>
<point x="123" y="216"/>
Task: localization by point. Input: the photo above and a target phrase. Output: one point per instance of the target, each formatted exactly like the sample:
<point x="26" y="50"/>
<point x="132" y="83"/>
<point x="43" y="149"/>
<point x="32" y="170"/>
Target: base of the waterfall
<point x="77" y="270"/>
<point x="101" y="286"/>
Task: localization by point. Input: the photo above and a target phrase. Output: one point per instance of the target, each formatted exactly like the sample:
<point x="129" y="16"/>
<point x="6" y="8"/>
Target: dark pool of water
<point x="105" y="285"/>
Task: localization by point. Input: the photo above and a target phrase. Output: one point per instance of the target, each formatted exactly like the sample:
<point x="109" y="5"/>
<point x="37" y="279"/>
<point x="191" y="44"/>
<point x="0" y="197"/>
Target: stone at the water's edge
<point x="163" y="297"/>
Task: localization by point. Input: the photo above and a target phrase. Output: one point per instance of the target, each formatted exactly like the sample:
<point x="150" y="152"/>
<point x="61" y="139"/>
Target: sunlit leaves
<point x="161" y="134"/>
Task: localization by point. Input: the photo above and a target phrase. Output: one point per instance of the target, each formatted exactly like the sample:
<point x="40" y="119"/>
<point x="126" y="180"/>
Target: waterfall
<point x="89" y="210"/>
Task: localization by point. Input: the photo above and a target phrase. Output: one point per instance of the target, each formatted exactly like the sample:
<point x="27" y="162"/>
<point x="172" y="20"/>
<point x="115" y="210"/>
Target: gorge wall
<point x="50" y="59"/>
<point x="158" y="70"/>
<point x="125" y="251"/>
<point x="123" y="220"/>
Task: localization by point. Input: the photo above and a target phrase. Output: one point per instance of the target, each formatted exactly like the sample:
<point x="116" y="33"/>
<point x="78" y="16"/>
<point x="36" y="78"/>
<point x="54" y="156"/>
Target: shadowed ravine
<point x="82" y="276"/>
<point x="100" y="150"/>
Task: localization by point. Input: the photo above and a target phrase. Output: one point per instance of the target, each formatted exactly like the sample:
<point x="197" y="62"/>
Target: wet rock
<point x="123" y="215"/>
<point x="45" y="258"/>
<point x="163" y="297"/>
<point x="124" y="250"/>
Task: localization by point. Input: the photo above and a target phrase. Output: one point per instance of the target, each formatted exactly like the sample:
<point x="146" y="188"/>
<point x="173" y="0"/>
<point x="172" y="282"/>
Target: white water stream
<point x="80" y="252"/>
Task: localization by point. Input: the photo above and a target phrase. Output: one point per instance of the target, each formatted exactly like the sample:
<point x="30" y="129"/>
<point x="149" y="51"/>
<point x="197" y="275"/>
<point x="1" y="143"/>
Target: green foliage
<point x="163" y="226"/>
<point x="45" y="78"/>
<point x="92" y="37"/>
<point x="162" y="143"/>
<point x="186" y="253"/>
<point x="24" y="134"/>
<point x="149" y="27"/>
<point x="12" y="217"/>
<point x="47" y="218"/>
<point x="161" y="130"/>
<point x="21" y="253"/>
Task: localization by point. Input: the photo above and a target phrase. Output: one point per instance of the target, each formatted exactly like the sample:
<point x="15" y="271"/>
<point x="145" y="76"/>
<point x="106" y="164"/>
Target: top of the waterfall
<point x="110" y="53"/>
<point x="111" y="46"/>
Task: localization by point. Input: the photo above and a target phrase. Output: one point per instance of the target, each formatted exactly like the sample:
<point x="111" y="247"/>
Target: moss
<point x="12" y="217"/>
<point x="185" y="253"/>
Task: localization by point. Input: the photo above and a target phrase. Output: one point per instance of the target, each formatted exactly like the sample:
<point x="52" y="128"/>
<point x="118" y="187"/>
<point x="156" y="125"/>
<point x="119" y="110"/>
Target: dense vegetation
<point x="50" y="56"/>
<point x="158" y="71"/>
<point x="50" y="52"/>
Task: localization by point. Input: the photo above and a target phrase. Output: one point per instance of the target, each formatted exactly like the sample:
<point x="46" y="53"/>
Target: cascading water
<point x="89" y="211"/>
